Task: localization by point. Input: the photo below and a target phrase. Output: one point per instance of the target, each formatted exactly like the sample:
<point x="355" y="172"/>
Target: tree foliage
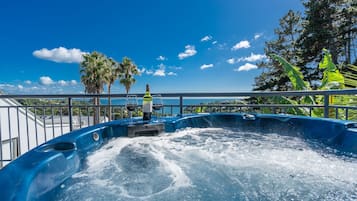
<point x="350" y="76"/>
<point x="284" y="45"/>
<point x="113" y="72"/>
<point x="97" y="70"/>
<point x="330" y="24"/>
<point x="332" y="79"/>
<point x="129" y="70"/>
<point x="293" y="73"/>
<point x="93" y="70"/>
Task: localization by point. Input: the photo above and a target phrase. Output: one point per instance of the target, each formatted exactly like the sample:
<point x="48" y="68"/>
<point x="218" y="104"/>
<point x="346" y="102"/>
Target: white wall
<point x="20" y="126"/>
<point x="15" y="122"/>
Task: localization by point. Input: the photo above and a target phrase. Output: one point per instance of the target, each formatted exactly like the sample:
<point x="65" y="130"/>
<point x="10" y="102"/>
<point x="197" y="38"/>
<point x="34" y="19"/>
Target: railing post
<point x="1" y="158"/>
<point x="70" y="114"/>
<point x="326" y="105"/>
<point x="346" y="114"/>
<point x="97" y="120"/>
<point x="181" y="105"/>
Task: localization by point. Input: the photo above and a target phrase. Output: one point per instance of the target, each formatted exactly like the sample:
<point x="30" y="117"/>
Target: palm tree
<point x="93" y="70"/>
<point x="129" y="69"/>
<point x="114" y="72"/>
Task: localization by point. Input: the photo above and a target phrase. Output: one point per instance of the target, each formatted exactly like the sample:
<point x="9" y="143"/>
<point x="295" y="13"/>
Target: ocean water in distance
<point x="176" y="101"/>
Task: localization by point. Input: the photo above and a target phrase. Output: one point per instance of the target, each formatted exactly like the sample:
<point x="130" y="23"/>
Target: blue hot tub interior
<point x="36" y="174"/>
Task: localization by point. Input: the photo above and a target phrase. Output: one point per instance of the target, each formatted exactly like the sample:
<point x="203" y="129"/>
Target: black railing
<point x="29" y="120"/>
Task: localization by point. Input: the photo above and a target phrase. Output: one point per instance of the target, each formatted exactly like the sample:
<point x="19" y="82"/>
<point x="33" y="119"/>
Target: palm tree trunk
<point x="96" y="111"/>
<point x="109" y="103"/>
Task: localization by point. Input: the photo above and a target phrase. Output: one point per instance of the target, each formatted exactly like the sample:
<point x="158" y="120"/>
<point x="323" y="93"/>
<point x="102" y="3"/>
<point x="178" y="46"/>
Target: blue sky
<point x="178" y="45"/>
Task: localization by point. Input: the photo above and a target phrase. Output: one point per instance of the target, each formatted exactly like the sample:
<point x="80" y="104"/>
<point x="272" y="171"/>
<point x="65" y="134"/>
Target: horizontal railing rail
<point x="29" y="120"/>
<point x="195" y="94"/>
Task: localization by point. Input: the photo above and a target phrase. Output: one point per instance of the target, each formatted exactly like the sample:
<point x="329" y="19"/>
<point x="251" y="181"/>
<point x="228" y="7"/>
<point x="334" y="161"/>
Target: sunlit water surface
<point x="214" y="164"/>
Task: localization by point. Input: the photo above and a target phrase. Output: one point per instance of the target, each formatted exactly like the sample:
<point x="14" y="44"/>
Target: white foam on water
<point x="167" y="166"/>
<point x="215" y="164"/>
<point x="178" y="176"/>
<point x="106" y="154"/>
<point x="105" y="160"/>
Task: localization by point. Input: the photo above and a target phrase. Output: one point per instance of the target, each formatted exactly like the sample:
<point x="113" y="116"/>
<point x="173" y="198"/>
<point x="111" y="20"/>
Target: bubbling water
<point x="214" y="164"/>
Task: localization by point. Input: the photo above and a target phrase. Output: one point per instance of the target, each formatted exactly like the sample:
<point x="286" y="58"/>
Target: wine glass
<point x="157" y="103"/>
<point x="131" y="104"/>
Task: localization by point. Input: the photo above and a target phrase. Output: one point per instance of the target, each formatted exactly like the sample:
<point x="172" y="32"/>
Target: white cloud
<point x="45" y="80"/>
<point x="175" y="67"/>
<point x="204" y="66"/>
<point x="60" y="55"/>
<point x="241" y="44"/>
<point x="62" y="83"/>
<point x="161" y="58"/>
<point x="73" y="82"/>
<point x="253" y="57"/>
<point x="206" y="38"/>
<point x="257" y="36"/>
<point x="214" y="42"/>
<point x="6" y="86"/>
<point x="189" y="51"/>
<point x="171" y="73"/>
<point x="246" y="67"/>
<point x="45" y="85"/>
<point x="141" y="71"/>
<point x="67" y="83"/>
<point x="231" y="61"/>
<point x="160" y="72"/>
<point x="161" y="66"/>
<point x="222" y="46"/>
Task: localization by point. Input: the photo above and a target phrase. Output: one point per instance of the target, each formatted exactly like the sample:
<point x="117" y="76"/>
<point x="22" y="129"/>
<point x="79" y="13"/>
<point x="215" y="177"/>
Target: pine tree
<point x="345" y="21"/>
<point x="273" y="77"/>
<point x="318" y="32"/>
<point x="329" y="24"/>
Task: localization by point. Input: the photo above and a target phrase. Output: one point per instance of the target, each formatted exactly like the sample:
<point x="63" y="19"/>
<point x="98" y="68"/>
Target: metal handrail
<point x="195" y="94"/>
<point x="325" y="93"/>
<point x="34" y="115"/>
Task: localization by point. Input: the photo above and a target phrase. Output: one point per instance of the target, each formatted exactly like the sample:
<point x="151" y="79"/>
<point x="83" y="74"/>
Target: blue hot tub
<point x="199" y="157"/>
